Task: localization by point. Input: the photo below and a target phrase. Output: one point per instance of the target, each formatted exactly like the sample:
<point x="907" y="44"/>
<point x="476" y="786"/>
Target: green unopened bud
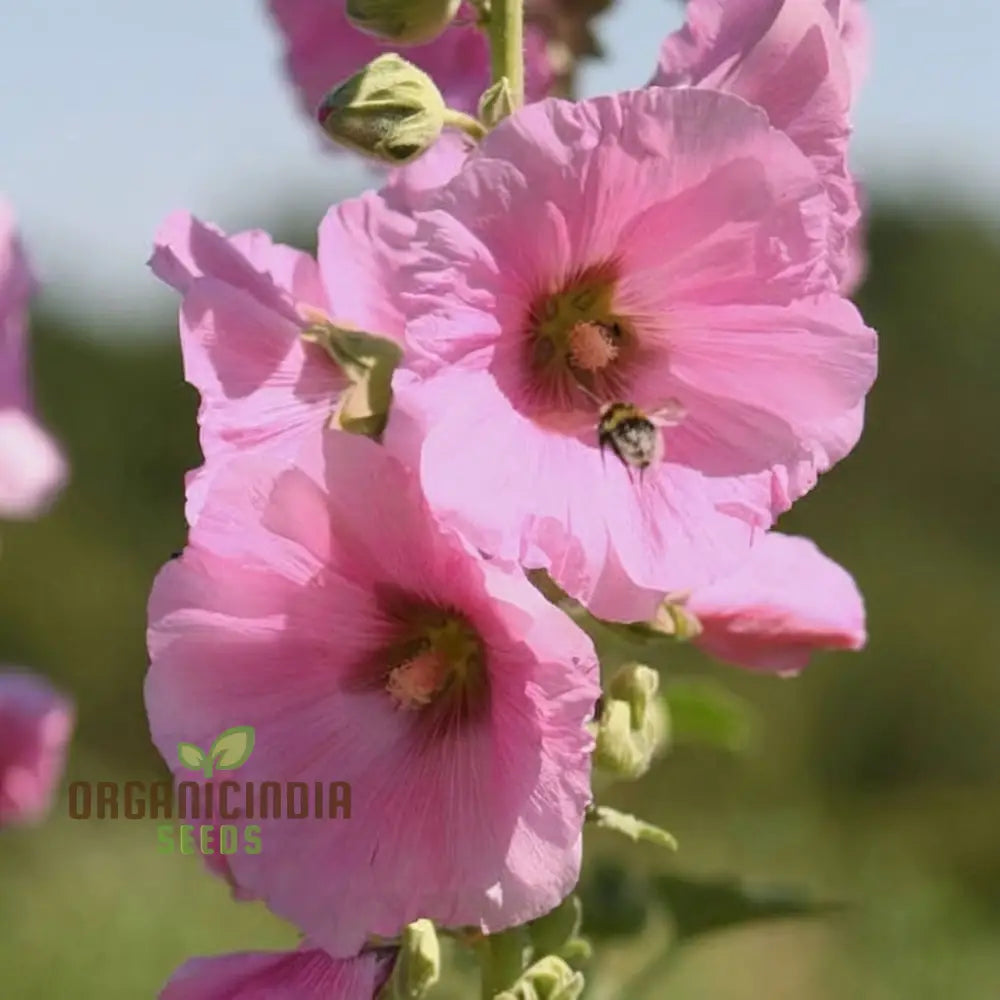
<point x="390" y="111"/>
<point x="418" y="966"/>
<point x="405" y="22"/>
<point x="673" y="618"/>
<point x="550" y="933"/>
<point x="633" y="728"/>
<point x="496" y="103"/>
<point x="548" y="979"/>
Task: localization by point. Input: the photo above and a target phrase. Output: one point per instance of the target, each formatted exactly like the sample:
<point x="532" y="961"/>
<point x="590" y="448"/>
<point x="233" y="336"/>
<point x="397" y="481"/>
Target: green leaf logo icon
<point x="191" y="756"/>
<point x="230" y="750"/>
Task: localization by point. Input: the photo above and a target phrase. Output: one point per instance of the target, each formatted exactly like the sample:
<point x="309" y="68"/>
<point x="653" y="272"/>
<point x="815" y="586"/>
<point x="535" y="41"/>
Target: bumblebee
<point x="633" y="435"/>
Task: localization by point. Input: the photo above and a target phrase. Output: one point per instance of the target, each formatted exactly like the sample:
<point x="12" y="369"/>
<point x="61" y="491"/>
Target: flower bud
<point x="553" y="931"/>
<point x="548" y="979"/>
<point x="418" y="966"/>
<point x="496" y="103"/>
<point x="633" y="726"/>
<point x="390" y="111"/>
<point x="673" y="618"/>
<point x="405" y="22"/>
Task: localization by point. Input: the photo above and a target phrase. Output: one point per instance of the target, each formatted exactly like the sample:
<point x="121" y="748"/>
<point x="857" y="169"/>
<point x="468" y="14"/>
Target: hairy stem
<point x="506" y="31"/>
<point x="472" y="127"/>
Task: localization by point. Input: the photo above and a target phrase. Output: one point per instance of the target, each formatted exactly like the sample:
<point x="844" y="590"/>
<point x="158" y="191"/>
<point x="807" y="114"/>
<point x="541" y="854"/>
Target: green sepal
<point x="368" y="362"/>
<point x="550" y="978"/>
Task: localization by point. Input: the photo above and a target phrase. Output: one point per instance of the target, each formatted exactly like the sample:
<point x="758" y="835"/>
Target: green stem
<point x="472" y="127"/>
<point x="501" y="960"/>
<point x="506" y="30"/>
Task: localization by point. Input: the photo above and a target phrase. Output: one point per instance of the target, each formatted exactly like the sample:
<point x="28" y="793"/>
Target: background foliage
<point x="875" y="778"/>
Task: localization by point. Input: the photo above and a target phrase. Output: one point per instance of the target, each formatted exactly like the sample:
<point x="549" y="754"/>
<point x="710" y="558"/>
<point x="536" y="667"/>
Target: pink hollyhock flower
<point x="36" y="723"/>
<point x="785" y="603"/>
<point x="247" y="301"/>
<point x="322" y="48"/>
<point x="305" y="974"/>
<point x="32" y="468"/>
<point x="676" y="259"/>
<point x="793" y="58"/>
<point x="367" y="644"/>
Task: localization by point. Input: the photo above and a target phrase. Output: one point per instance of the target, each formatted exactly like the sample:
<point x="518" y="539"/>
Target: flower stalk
<point x="506" y="32"/>
<point x="472" y="127"/>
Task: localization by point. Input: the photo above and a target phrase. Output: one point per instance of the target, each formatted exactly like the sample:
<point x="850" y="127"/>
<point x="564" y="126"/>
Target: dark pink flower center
<point x="439" y="661"/>
<point x="577" y="345"/>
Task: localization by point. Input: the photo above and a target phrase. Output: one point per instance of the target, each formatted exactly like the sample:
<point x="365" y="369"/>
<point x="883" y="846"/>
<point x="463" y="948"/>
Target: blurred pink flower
<point x="305" y="974"/>
<point x="36" y="723"/>
<point x="785" y="603"/>
<point x="246" y="302"/>
<point x="801" y="61"/>
<point x="654" y="246"/>
<point x="322" y="48"/>
<point x="367" y="644"/>
<point x="854" y="22"/>
<point x="32" y="468"/>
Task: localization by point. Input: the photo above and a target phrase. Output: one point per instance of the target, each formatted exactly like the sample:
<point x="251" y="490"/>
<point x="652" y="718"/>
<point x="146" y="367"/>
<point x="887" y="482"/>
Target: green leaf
<point x="700" y="906"/>
<point x="704" y="712"/>
<point x="635" y="829"/>
<point x="191" y="756"/>
<point x="232" y="748"/>
<point x="368" y="362"/>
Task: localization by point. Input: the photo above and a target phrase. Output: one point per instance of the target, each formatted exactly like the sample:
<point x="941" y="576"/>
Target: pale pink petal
<point x="279" y="277"/>
<point x="854" y="21"/>
<point x="548" y="499"/>
<point x="787" y="602"/>
<point x="32" y="467"/>
<point x="857" y="246"/>
<point x="17" y="285"/>
<point x="407" y="185"/>
<point x="246" y="303"/>
<point x="306" y="974"/>
<point x="261" y="384"/>
<point x="36" y="724"/>
<point x="763" y="382"/>
<point x="361" y="241"/>
<point x="787" y="57"/>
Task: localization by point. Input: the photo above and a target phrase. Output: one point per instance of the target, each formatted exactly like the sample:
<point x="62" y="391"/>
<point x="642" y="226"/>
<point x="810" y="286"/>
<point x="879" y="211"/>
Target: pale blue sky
<point x="115" y="112"/>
